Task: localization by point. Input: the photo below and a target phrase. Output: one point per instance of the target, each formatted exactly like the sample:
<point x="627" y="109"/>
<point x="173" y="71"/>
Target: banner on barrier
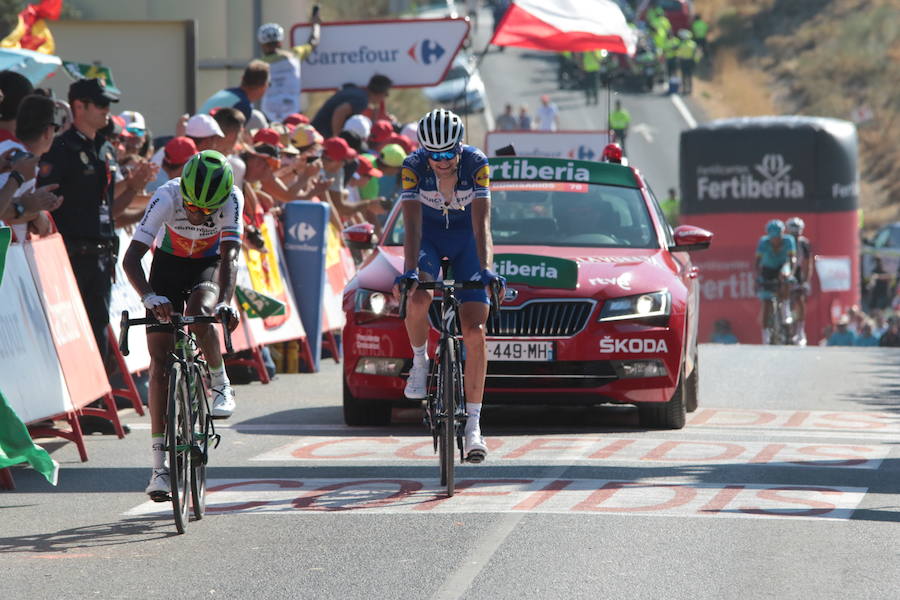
<point x="338" y="272"/>
<point x="30" y="374"/>
<point x="306" y="226"/>
<point x="125" y="298"/>
<point x="69" y="325"/>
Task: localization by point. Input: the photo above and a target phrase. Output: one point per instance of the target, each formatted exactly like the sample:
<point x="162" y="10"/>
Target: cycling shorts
<point x="769" y="282"/>
<point x="176" y="277"/>
<point x="458" y="245"/>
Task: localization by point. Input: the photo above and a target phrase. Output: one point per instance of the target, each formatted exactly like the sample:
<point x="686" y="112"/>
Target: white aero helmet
<point x="440" y="130"/>
<point x="795" y="225"/>
<point x="270" y="32"/>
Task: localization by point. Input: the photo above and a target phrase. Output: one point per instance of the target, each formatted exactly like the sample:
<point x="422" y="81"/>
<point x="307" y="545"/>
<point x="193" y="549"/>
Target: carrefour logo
<point x="302" y="231"/>
<point x="428" y="51"/>
<point x="769" y="180"/>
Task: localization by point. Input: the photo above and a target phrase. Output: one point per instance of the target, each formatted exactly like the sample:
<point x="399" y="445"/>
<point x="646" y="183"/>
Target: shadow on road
<point x="128" y="531"/>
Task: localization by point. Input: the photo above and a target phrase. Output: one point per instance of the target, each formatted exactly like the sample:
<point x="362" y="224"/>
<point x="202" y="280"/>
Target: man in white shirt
<point x="547" y="115"/>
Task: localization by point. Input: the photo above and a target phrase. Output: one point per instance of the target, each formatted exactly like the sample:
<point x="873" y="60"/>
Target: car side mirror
<point x="360" y="236"/>
<point x="689" y="238"/>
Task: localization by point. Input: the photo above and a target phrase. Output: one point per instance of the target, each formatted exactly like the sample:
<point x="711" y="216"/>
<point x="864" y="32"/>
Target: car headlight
<point x="654" y="306"/>
<point x="377" y="304"/>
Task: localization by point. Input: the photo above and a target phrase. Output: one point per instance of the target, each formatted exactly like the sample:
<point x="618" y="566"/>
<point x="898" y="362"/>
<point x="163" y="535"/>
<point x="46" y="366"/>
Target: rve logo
<point x="430" y="52"/>
<point x="302" y="231"/>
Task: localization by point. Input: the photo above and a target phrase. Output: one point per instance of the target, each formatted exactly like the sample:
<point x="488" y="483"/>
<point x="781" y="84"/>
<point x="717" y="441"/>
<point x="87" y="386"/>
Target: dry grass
<point x="814" y="57"/>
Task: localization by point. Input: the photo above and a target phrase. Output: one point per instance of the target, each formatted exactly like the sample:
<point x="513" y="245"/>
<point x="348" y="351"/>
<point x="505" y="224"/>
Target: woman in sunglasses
<point x="195" y="221"/>
<point x="447" y="210"/>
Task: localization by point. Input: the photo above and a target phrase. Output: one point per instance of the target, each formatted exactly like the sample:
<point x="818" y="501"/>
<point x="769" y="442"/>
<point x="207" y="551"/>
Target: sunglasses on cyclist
<point x="197" y="209"/>
<point x="441" y="156"/>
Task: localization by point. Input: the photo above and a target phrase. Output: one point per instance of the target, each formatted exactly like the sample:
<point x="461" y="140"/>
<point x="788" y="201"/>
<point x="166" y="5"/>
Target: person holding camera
<point x="25" y="208"/>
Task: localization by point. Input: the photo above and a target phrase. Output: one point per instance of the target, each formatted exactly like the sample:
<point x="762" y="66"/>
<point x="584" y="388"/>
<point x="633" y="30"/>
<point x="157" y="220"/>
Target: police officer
<point x="84" y="165"/>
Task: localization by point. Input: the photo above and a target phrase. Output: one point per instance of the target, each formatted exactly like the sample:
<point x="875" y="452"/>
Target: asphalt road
<point x="783" y="484"/>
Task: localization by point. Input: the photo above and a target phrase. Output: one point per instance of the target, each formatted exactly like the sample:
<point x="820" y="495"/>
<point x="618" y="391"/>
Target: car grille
<point x="549" y="375"/>
<point x="535" y="318"/>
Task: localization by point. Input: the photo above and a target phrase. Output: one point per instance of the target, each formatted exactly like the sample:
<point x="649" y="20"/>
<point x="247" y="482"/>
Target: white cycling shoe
<point x="474" y="448"/>
<point x="159" y="487"/>
<point x="223" y="401"/>
<point x="415" y="385"/>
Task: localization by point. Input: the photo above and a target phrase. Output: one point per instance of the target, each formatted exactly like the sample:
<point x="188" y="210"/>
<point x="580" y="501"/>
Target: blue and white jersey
<point x="420" y="183"/>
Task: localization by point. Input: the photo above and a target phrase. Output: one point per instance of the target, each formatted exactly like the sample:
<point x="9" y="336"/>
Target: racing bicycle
<point x="189" y="423"/>
<point x="780" y="323"/>
<point x="445" y="403"/>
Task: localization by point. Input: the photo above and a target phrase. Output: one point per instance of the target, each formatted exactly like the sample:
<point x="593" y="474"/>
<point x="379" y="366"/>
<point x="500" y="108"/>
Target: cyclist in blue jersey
<point x="776" y="259"/>
<point x="447" y="212"/>
<point x="801" y="288"/>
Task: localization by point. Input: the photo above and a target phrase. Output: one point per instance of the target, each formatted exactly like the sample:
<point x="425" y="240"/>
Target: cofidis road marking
<point x="797" y="420"/>
<point x="525" y="495"/>
<point x="586" y="448"/>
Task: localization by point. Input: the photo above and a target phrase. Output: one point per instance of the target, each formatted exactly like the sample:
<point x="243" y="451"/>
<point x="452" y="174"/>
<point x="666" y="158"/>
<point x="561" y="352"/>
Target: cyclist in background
<point x="801" y="288"/>
<point x="776" y="258"/>
<point x="196" y="222"/>
<point x="447" y="213"/>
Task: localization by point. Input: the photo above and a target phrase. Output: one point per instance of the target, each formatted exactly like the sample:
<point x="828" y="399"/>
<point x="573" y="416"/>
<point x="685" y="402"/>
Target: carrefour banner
<point x="412" y="52"/>
<point x="305" y="239"/>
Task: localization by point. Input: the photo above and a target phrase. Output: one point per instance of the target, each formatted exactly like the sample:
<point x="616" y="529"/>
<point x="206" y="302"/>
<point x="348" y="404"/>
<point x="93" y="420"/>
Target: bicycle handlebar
<point x="442" y="285"/>
<point x="177" y="320"/>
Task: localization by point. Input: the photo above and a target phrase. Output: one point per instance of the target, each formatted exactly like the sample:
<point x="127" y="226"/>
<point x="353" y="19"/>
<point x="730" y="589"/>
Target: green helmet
<point x="207" y="180"/>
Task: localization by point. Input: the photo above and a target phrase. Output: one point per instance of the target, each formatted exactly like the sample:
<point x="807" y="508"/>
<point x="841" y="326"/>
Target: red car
<point x="601" y="304"/>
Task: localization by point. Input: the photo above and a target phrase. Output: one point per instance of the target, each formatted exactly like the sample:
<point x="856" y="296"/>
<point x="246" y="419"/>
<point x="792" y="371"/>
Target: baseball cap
<point x="93" y="90"/>
<point x="179" y="150"/>
<point x="366" y="167"/>
<point x="361" y="125"/>
<point x="257" y="120"/>
<point x="338" y="149"/>
<point x="117" y="125"/>
<point x="381" y="130"/>
<point x="392" y="155"/>
<point x="134" y="122"/>
<point x="267" y="135"/>
<point x="267" y="150"/>
<point x="202" y="126"/>
<point x="306" y="135"/>
<point x="295" y="119"/>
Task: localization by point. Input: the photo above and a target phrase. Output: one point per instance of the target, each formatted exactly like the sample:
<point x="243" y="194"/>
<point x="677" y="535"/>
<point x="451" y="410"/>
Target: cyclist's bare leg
<point x="472" y="318"/>
<point x="417" y="305"/>
<point x="766" y="319"/>
<point x="159" y="345"/>
<point x="201" y="303"/>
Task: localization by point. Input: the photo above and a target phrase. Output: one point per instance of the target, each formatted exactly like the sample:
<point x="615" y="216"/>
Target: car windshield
<point x="563" y="214"/>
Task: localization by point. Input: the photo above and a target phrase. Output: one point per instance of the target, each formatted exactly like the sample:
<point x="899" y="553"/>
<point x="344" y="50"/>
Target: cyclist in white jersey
<point x="195" y="222"/>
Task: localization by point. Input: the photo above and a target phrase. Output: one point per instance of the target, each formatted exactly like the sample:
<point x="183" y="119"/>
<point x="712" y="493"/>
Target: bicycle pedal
<point x="161" y="497"/>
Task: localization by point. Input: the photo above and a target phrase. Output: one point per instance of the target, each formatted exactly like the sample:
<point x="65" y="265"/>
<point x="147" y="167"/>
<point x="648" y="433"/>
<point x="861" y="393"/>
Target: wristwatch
<point x="15" y="175"/>
<point x="20" y="210"/>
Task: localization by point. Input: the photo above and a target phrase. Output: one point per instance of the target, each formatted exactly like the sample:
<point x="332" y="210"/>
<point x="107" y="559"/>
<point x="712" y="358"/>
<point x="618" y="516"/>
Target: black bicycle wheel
<point x="178" y="436"/>
<point x="200" y="425"/>
<point x="448" y="421"/>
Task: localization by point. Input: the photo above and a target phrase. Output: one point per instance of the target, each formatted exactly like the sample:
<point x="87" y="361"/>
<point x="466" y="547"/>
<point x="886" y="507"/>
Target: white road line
<point x="683" y="109"/>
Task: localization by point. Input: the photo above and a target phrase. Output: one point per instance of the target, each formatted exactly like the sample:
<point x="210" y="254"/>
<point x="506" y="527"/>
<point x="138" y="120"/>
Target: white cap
<point x="257" y="121"/>
<point x="201" y="126"/>
<point x="133" y="119"/>
<point x="411" y="130"/>
<point x="361" y="125"/>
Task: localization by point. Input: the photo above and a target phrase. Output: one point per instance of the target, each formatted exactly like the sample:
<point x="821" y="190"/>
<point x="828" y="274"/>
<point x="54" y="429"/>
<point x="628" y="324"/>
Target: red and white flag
<point x="566" y="25"/>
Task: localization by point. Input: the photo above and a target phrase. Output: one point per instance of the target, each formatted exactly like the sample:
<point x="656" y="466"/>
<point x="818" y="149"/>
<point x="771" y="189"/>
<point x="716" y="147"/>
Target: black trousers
<point x="94" y="273"/>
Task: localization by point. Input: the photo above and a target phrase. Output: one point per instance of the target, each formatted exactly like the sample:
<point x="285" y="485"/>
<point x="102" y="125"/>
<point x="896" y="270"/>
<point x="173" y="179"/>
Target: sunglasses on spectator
<point x="103" y="103"/>
<point x="442" y="156"/>
<point x="138" y="131"/>
<point x="314" y="158"/>
<point x="198" y="209"/>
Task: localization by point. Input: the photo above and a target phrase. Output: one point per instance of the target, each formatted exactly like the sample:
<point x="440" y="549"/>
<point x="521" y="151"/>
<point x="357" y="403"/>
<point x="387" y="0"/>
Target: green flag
<point x="257" y="305"/>
<point x="94" y="71"/>
<point x="16" y="445"/>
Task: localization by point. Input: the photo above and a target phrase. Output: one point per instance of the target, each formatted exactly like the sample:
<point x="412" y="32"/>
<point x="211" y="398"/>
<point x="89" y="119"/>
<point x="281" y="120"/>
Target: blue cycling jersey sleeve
<point x="771" y="258"/>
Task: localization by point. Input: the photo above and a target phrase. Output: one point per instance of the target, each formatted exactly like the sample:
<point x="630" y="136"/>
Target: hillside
<point x="829" y="58"/>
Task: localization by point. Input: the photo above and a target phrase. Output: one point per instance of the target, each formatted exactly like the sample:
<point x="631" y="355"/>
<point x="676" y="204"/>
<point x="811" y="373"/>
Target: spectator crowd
<point x="90" y="166"/>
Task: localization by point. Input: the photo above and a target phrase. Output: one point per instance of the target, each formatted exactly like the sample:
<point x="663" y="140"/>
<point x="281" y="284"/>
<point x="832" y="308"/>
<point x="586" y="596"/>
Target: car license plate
<point x="520" y="350"/>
